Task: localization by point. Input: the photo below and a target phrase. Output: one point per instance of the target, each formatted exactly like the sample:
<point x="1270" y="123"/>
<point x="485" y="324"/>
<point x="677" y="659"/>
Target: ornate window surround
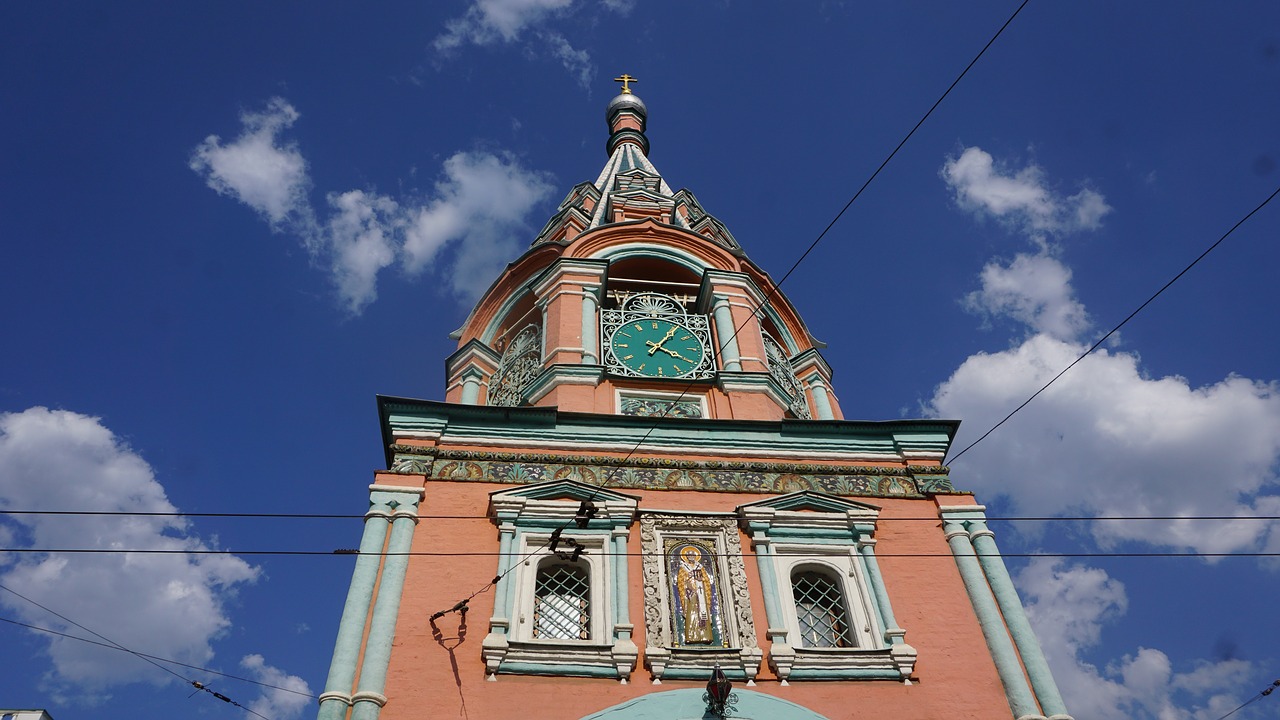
<point x="526" y="517"/>
<point x="809" y="529"/>
<point x="740" y="659"/>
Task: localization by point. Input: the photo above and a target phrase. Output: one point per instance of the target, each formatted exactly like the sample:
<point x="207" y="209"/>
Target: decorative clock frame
<point x="655" y="308"/>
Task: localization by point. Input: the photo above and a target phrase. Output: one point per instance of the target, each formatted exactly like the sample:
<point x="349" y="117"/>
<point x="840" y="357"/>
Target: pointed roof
<point x="630" y="187"/>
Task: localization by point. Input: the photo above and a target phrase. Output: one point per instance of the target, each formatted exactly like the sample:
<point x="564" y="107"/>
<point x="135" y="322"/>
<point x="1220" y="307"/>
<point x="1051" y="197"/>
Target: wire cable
<point x="305" y="516"/>
<point x="51" y="631"/>
<point x="194" y="683"/>
<point x="603" y="553"/>
<point x="773" y="291"/>
<point x="1115" y="329"/>
<point x="1263" y="693"/>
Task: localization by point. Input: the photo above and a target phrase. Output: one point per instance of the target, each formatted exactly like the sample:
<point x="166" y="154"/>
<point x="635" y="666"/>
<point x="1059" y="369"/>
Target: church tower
<point x="641" y="499"/>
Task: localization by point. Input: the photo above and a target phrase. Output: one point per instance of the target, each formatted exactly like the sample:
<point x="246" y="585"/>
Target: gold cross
<point x="625" y="80"/>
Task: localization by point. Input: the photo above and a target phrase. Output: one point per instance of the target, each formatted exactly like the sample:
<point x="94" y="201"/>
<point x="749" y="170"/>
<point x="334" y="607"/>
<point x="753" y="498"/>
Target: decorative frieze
<point x="671" y="473"/>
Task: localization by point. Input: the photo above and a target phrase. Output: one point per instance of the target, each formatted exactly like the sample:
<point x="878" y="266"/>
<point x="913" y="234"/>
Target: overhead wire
<point x="171" y="661"/>
<point x="308" y="516"/>
<point x="199" y="686"/>
<point x="1261" y="694"/>
<point x="522" y="554"/>
<point x="1122" y="323"/>
<point x="773" y="291"/>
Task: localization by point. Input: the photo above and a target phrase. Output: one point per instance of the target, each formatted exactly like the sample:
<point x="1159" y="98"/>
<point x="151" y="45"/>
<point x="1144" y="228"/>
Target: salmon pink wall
<point x="441" y="675"/>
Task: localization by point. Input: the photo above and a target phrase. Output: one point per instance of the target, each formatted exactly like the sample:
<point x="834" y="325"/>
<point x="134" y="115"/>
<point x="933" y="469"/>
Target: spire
<point x="626" y="116"/>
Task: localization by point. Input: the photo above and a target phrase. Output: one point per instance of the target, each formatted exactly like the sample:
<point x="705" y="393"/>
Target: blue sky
<point x="226" y="228"/>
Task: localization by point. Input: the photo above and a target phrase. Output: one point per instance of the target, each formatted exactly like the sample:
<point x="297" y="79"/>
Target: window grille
<point x="820" y="611"/>
<point x="562" y="594"/>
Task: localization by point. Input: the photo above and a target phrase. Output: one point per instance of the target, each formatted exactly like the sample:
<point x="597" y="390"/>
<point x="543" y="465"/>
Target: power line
<point x="1261" y="694"/>
<point x="1115" y="329"/>
<point x="308" y="516"/>
<point x="773" y="291"/>
<point x="495" y="553"/>
<point x="194" y="683"/>
<point x="155" y="657"/>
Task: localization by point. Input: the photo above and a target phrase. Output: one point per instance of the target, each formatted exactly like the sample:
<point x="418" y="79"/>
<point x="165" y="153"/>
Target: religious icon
<point x="695" y="597"/>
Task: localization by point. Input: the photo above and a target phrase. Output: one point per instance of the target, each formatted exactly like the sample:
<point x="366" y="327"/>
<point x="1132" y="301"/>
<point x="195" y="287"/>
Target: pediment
<point x="564" y="490"/>
<point x="810" y="501"/>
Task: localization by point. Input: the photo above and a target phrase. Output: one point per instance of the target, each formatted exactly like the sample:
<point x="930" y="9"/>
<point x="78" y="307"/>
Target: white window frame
<point x="526" y="517"/>
<point x="599" y="579"/>
<point x="838" y="564"/>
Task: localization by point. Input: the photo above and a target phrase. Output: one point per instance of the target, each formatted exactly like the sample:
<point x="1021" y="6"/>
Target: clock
<point x="657" y="347"/>
<point x="651" y="336"/>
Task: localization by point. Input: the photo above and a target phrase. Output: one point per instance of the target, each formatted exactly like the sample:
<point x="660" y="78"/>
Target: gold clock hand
<point x="655" y="346"/>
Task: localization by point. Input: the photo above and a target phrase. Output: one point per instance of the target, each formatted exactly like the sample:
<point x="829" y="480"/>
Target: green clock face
<point x="655" y="347"/>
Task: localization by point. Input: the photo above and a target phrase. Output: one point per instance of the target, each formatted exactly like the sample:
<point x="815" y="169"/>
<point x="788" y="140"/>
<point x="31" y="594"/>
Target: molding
<point x="561" y="374"/>
<point x="653" y="473"/>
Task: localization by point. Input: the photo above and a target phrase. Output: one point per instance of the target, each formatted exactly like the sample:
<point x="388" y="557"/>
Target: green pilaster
<point x="866" y="549"/>
<point x="1016" y="690"/>
<point x="368" y="699"/>
<point x="342" y="670"/>
<point x="1015" y="618"/>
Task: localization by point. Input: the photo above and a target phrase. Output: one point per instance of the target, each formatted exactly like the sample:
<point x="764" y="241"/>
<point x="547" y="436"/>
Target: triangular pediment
<point x="810" y="501"/>
<point x="566" y="490"/>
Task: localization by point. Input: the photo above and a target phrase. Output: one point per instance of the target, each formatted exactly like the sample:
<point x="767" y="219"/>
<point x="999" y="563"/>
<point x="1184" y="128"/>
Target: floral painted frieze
<point x="670" y="473"/>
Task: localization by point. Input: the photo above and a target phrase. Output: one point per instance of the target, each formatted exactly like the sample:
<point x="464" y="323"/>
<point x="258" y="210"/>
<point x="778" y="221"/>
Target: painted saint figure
<point x="693" y="585"/>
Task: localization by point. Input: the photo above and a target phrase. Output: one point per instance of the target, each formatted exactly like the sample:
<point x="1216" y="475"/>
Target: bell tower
<point x="634" y="300"/>
<point x="640" y="499"/>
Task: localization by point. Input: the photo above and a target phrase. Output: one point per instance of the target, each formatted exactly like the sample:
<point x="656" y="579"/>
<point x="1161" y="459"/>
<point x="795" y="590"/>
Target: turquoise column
<point x="368" y="700"/>
<point x="768" y="581"/>
<point x="1011" y="607"/>
<point x="506" y="537"/>
<point x="1016" y="690"/>
<point x="471" y="387"/>
<point x="726" y="334"/>
<point x="866" y="548"/>
<point x="821" y="400"/>
<point x="346" y="651"/>
<point x="621" y="611"/>
<point x="590" y="356"/>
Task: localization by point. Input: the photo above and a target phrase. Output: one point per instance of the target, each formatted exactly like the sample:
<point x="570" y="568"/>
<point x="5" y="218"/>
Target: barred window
<point x="820" y="610"/>
<point x="561" y="603"/>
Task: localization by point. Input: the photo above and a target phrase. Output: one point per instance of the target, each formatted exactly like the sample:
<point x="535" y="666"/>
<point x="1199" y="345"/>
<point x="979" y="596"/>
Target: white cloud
<point x="361" y="241"/>
<point x="577" y="62"/>
<point x="278" y="702"/>
<point x="1107" y="440"/>
<point x="171" y="606"/>
<point x="481" y="203"/>
<point x="1068" y="605"/>
<point x="1034" y="290"/>
<point x="1020" y="198"/>
<point x="479" y="207"/>
<point x="488" y="22"/>
<point x="258" y="170"/>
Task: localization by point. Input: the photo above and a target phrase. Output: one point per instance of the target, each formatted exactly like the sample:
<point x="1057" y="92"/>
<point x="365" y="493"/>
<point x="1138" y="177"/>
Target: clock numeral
<point x="641" y="366"/>
<point x="660" y="370"/>
<point x="628" y="357"/>
<point x="679" y="369"/>
<point x="620" y="345"/>
<point x="655" y="325"/>
<point x="686" y="337"/>
<point x="639" y="327"/>
<point x="623" y="334"/>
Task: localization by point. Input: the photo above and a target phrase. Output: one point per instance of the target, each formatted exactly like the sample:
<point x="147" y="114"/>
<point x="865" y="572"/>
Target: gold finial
<point x="625" y="80"/>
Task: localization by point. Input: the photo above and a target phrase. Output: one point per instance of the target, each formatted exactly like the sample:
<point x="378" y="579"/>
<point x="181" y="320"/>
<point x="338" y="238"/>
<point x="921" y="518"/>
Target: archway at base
<point x="688" y="705"/>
